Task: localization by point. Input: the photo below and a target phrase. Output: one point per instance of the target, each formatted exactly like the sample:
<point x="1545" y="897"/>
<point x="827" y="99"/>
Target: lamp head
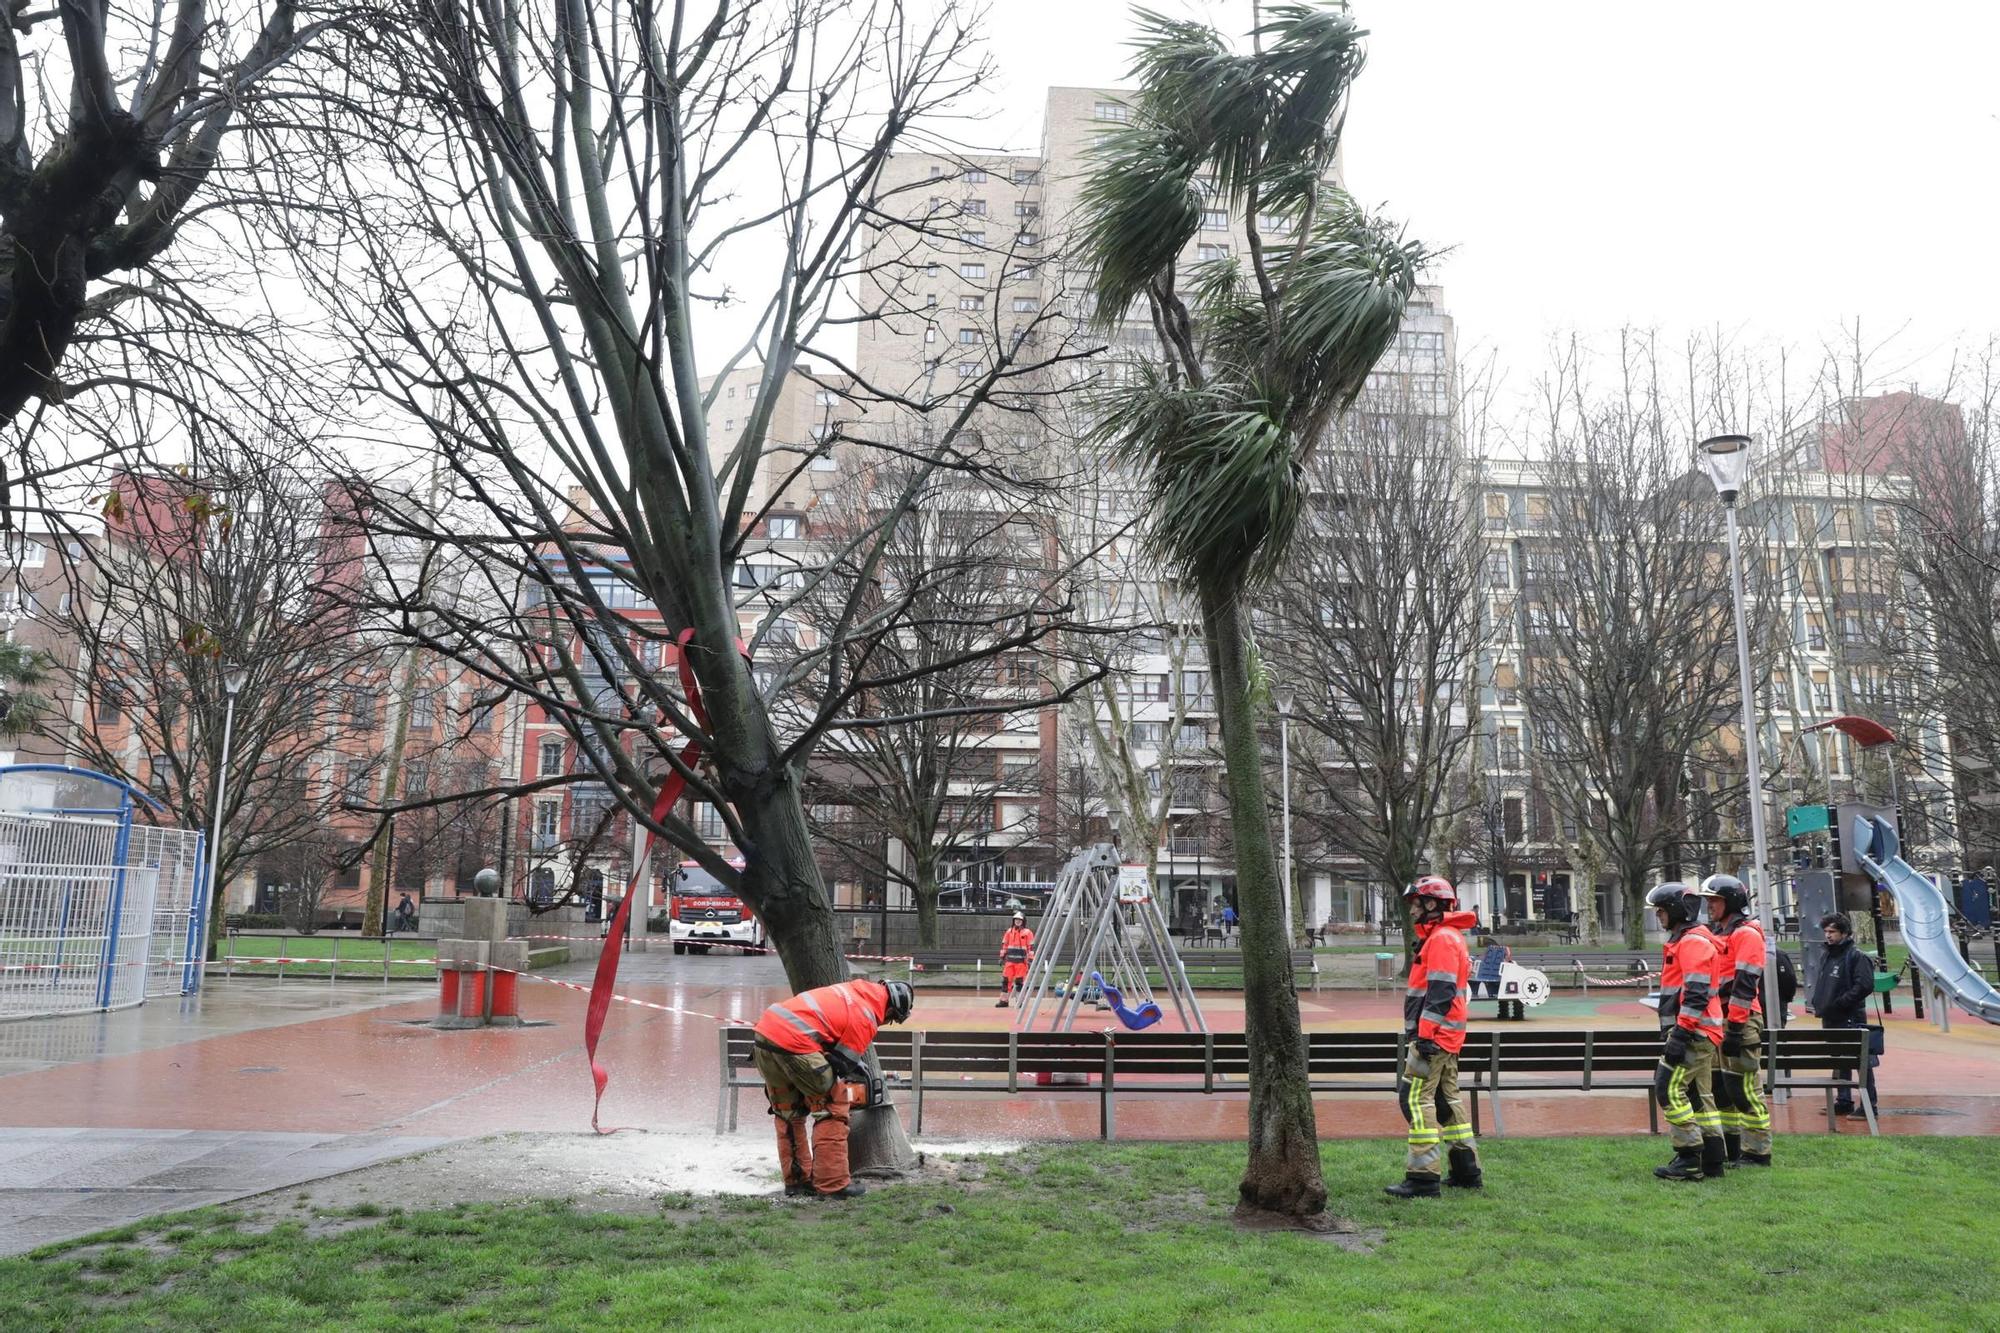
<point x="233" y="678"/>
<point x="1284" y="696"/>
<point x="1726" y="459"/>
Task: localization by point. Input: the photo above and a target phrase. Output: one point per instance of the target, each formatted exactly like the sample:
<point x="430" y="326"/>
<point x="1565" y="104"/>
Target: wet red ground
<point x="372" y="1071"/>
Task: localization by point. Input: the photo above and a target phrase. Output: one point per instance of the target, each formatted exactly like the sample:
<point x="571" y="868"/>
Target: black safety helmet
<point x="1735" y="898"/>
<point x="1677" y="900"/>
<point x="901" y="997"/>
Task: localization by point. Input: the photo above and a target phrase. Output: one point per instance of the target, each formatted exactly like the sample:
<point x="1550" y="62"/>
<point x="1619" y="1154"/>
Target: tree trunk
<point x="1633" y="889"/>
<point x="781" y="881"/>
<point x="1282" y="1174"/>
<point x="926" y="892"/>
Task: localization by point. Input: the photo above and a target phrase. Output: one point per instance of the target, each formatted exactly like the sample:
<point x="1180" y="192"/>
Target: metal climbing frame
<point x="1093" y="926"/>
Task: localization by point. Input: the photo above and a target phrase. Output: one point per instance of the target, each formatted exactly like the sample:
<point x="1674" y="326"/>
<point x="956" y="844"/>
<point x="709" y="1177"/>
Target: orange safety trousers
<point x="797" y="1086"/>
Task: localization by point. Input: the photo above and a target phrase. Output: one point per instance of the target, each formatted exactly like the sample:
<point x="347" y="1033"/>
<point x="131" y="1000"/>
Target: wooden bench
<point x="1580" y="965"/>
<point x="1495" y="1064"/>
<point x="983" y="963"/>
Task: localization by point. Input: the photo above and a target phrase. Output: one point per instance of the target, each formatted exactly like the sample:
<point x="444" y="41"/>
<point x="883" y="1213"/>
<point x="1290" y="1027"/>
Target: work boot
<point x="1413" y="1187"/>
<point x="853" y="1189"/>
<point x="1712" y="1156"/>
<point x="1734" y="1144"/>
<point x="1465" y="1172"/>
<point x="1685" y="1166"/>
<point x="1000" y="1003"/>
<point x="1754" y="1159"/>
<point x="799" y="1189"/>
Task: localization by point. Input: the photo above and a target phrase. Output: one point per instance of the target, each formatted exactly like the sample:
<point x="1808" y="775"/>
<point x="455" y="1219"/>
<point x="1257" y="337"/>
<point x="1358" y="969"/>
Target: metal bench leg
<point x="1868" y="1108"/>
<point x="1499" y="1116"/>
<point x="722" y="1098"/>
<point x="1832" y="1125"/>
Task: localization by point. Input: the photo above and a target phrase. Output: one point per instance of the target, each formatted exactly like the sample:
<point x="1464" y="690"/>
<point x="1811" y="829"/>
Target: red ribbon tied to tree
<point x="614" y="937"/>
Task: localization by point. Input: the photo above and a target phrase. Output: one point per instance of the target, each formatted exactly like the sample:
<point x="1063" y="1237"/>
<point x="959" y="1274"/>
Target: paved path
<point x="56" y="1184"/>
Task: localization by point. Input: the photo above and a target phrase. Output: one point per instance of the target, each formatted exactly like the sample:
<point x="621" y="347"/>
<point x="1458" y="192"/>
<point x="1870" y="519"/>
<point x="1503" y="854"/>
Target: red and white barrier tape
<point x="631" y="999"/>
<point x="1640" y="979"/>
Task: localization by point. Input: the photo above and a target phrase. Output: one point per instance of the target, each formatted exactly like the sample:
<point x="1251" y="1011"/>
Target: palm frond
<point x="1140" y="208"/>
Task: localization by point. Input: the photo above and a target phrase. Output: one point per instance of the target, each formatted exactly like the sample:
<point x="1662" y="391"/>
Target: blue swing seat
<point x="1144" y="1016"/>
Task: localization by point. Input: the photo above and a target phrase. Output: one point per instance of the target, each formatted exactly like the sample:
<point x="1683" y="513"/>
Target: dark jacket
<point x="1840" y="992"/>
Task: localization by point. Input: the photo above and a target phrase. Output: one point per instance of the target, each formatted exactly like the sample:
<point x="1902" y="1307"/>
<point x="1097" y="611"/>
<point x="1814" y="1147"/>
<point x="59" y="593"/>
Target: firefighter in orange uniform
<point x="1691" y="1023"/>
<point x="810" y="1050"/>
<point x="1434" y="1022"/>
<point x="1017" y="950"/>
<point x="1746" y="1119"/>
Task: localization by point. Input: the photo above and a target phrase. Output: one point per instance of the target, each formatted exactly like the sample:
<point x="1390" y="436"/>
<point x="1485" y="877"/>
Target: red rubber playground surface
<point x="254" y="1056"/>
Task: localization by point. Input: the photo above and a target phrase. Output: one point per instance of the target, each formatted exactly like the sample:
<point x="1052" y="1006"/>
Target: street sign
<point x="1803" y="819"/>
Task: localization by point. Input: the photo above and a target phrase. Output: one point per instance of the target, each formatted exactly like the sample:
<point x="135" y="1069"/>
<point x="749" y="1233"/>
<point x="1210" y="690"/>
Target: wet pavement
<point x="348" y="1064"/>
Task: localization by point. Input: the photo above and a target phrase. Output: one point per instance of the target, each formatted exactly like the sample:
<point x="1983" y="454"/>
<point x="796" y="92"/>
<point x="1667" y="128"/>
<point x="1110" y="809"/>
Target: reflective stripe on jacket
<point x="1688" y="994"/>
<point x="1017" y="937"/>
<point x="1434" y="1005"/>
<point x="1740" y="968"/>
<point x="832" y="1018"/>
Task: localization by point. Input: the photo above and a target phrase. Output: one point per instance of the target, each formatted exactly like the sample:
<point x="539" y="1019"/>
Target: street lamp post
<point x="1726" y="459"/>
<point x="1284" y="697"/>
<point x="232" y="684"/>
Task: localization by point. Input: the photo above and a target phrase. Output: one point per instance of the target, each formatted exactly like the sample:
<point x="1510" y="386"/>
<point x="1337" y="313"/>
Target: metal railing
<point x="73" y="938"/>
<point x="322" y="957"/>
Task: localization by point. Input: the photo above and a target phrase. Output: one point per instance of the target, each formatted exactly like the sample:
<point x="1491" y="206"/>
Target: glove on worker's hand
<point x="1732" y="1041"/>
<point x="1676" y="1051"/>
<point x="1427" y="1048"/>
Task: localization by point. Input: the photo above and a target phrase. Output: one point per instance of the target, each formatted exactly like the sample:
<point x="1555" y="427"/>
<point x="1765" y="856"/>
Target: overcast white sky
<point x="1770" y="168"/>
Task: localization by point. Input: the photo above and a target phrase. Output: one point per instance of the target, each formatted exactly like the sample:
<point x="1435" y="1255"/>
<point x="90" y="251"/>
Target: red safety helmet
<point x="1432" y="886"/>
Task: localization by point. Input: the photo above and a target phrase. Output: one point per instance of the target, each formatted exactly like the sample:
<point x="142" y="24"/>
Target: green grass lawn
<point x="1848" y="1232"/>
<point x="356" y="956"/>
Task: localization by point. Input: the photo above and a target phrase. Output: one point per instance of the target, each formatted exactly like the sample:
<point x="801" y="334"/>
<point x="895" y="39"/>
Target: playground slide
<point x="1926" y="920"/>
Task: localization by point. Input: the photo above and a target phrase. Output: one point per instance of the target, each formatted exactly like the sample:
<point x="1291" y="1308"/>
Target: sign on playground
<point x="1134" y="884"/>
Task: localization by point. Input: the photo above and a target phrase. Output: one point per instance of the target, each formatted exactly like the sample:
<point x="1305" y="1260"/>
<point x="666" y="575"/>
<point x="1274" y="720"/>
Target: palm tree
<point x="1258" y="354"/>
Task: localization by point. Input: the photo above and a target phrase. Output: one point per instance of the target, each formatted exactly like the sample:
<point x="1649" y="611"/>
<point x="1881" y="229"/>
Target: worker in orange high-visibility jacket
<point x="1434" y="1025"/>
<point x="1017" y="950"/>
<point x="811" y="1051"/>
<point x="1739" y="940"/>
<point x="1691" y="1024"/>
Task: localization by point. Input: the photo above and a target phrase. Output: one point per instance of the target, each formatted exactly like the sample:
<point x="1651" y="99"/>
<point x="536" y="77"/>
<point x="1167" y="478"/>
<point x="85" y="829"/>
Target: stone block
<point x="460" y="955"/>
<point x="485" y="919"/>
<point x="510" y="954"/>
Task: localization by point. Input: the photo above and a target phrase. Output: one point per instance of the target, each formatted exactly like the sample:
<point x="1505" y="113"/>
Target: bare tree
<point x="1628" y="663"/>
<point x="1378" y="625"/>
<point x="609" y="160"/>
<point x="242" y="562"/>
<point x="117" y="127"/>
<point x="931" y="773"/>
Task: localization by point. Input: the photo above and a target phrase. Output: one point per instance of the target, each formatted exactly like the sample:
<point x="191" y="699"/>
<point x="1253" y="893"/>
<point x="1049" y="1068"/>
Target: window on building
<point x="1496" y="511"/>
<point x="549" y="761"/>
<point x="825" y="398"/>
<point x="974" y="208"/>
<point x="1114" y="111"/>
<point x="1207" y="253"/>
<point x="1026" y="176"/>
<point x="481" y="717"/>
<point x="1538" y="511"/>
<point x="972" y="270"/>
<point x="1028" y="238"/>
<point x="969" y="336"/>
<point x="971" y="303"/>
<point x="416" y="779"/>
<point x="1025" y="273"/>
<point x="974" y="238"/>
<point x="1511" y="821"/>
<point x="354" y="780"/>
<point x="22" y="553"/>
<point x="707" y="821"/>
<point x="784" y="527"/>
<point x="930" y="333"/>
<point x="548" y="823"/>
<point x="1025" y="305"/>
<point x="824" y="463"/>
<point x="423" y="712"/>
<point x="967" y="369"/>
<point x="1822" y="692"/>
<point x="975" y="175"/>
<point x="110" y="706"/>
<point x="1499" y="570"/>
<point x="1214" y="219"/>
<point x="1275" y="223"/>
<point x="1508" y="755"/>
<point x="1024" y="208"/>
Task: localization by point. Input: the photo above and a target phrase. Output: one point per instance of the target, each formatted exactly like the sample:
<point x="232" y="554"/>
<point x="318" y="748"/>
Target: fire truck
<point x="701" y="913"/>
